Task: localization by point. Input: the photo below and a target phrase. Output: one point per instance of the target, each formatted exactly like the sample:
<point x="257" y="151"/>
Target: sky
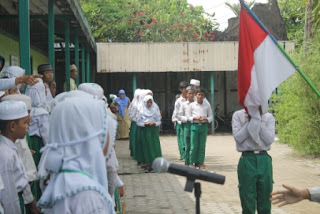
<point x="222" y="13"/>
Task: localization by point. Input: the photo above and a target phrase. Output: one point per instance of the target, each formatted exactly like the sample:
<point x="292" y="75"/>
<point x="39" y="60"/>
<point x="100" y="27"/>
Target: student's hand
<point x="147" y="124"/>
<point x="197" y="118"/>
<point x="152" y="124"/>
<point x="33" y="207"/>
<point x="32" y="152"/>
<point x="289" y="196"/>
<point x="121" y="191"/>
<point x="30" y="80"/>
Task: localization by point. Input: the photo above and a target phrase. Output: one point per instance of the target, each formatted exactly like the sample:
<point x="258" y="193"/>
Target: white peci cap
<point x="194" y="82"/>
<point x="12" y="110"/>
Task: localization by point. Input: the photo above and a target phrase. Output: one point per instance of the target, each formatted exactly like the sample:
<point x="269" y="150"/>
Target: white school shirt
<point x="182" y="115"/>
<point x="314" y="194"/>
<point x="242" y="137"/>
<point x="203" y="110"/>
<point x="13" y="176"/>
<point x="39" y="126"/>
<point x="6" y="84"/>
<point x="88" y="202"/>
<point x="49" y="98"/>
<point x="177" y="106"/>
<point x="27" y="160"/>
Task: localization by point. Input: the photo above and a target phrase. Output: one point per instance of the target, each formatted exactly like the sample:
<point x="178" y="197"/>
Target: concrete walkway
<point x="163" y="193"/>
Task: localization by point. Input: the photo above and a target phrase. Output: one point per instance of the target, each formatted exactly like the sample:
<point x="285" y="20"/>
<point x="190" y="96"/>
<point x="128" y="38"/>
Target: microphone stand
<point x="190" y="185"/>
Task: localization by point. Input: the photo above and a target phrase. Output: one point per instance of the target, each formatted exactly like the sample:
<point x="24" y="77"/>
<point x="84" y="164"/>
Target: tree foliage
<point x="297" y="109"/>
<point x="148" y="21"/>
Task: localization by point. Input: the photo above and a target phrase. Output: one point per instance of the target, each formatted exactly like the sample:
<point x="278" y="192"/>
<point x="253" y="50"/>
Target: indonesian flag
<point x="262" y="67"/>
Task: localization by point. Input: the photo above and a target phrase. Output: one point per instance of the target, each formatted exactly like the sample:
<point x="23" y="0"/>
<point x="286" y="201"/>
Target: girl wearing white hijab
<point x="138" y="146"/>
<point x="114" y="180"/>
<point x="75" y="160"/>
<point x="132" y="111"/>
<point x="148" y="121"/>
<point x="39" y="125"/>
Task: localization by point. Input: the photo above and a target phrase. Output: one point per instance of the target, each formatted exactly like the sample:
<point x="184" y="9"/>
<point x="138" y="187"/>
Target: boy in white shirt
<point x="200" y="114"/>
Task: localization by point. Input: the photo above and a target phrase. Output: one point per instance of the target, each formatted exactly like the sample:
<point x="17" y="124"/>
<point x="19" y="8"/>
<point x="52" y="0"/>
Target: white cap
<point x="19" y="97"/>
<point x="12" y="110"/>
<point x="194" y="82"/>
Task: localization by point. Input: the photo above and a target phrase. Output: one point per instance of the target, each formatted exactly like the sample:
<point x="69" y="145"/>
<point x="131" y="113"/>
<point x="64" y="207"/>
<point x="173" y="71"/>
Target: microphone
<point x="161" y="165"/>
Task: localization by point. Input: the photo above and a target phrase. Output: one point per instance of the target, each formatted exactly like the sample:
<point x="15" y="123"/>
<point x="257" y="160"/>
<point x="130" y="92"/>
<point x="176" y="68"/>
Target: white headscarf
<point x="133" y="106"/>
<point x="97" y="92"/>
<point x="93" y="89"/>
<point x="13" y="72"/>
<point x="37" y="94"/>
<point x="65" y="95"/>
<point x="148" y="111"/>
<point x="77" y="133"/>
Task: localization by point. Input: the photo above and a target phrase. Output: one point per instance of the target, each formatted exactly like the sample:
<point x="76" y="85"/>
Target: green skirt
<point x="138" y="146"/>
<point x="150" y="143"/>
<point x="132" y="135"/>
<point x="117" y="201"/>
<point x="36" y="144"/>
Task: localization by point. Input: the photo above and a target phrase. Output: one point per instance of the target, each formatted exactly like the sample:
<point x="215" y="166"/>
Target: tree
<point x="148" y="21"/>
<point x="237" y="6"/>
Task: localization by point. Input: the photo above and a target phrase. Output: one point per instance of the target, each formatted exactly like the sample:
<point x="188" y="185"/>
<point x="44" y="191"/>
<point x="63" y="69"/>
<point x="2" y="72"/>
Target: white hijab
<point x="37" y="94"/>
<point x="133" y="106"/>
<point x="77" y="133"/>
<point x="97" y="92"/>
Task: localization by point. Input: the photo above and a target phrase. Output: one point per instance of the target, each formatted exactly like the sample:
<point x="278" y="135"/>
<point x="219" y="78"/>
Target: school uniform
<point x="15" y="191"/>
<point x="186" y="129"/>
<point x="122" y="105"/>
<point x="149" y="135"/>
<point x="255" y="165"/>
<point x="179" y="126"/>
<point x="132" y="112"/>
<point x="199" y="131"/>
<point x="75" y="159"/>
<point x="39" y="126"/>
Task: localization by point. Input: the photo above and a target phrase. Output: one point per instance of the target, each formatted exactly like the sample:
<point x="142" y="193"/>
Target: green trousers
<point x="132" y="135"/>
<point x="138" y="146"/>
<point x="198" y="138"/>
<point x="36" y="144"/>
<point x="150" y="143"/>
<point x="21" y="203"/>
<point x="255" y="182"/>
<point x="180" y="139"/>
<point x="186" y="135"/>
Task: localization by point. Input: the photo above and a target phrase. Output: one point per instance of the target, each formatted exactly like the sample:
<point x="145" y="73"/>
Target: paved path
<point x="163" y="193"/>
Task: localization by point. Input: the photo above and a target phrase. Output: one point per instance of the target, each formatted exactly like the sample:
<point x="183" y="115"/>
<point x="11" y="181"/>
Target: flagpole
<point x="280" y="47"/>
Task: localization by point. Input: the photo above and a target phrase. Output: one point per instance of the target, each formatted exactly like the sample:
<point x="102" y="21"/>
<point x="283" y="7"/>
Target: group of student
<point x="57" y="153"/>
<point x="192" y="114"/>
<point x="145" y="120"/>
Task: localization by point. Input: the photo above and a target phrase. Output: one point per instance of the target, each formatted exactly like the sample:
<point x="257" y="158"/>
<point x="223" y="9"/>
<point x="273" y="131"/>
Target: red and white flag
<point x="262" y="67"/>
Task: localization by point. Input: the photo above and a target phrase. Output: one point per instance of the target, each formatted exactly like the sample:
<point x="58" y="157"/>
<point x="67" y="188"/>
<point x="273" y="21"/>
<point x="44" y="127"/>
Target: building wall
<point x="10" y="47"/>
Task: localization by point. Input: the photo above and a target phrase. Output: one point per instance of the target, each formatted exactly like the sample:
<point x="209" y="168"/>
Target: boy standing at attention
<point x="175" y="119"/>
<point x="200" y="114"/>
<point x="14" y="124"/>
<point x="186" y="123"/>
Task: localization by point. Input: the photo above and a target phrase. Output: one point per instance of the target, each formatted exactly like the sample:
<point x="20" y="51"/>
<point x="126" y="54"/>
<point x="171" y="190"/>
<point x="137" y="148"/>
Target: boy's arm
<point x="8" y="194"/>
<point x="239" y="131"/>
<point x="209" y="114"/>
<point x="44" y="128"/>
<point x="267" y="129"/>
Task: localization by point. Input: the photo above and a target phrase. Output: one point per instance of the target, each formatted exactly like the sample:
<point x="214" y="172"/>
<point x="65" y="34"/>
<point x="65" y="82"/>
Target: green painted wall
<point x="9" y="46"/>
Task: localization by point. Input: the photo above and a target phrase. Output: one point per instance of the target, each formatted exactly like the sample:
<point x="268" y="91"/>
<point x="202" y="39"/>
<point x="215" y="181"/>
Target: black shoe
<point x="146" y="170"/>
<point x="151" y="170"/>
